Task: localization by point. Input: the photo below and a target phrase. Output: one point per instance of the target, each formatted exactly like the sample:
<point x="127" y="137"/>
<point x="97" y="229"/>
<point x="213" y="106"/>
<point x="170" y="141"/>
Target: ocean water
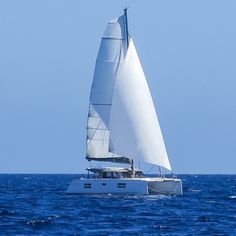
<point x="38" y="205"/>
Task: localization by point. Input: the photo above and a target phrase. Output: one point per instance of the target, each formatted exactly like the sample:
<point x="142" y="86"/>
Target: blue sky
<point x="47" y="55"/>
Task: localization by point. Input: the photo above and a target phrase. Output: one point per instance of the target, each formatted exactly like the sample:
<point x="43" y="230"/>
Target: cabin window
<point x="107" y="175"/>
<point x="103" y="184"/>
<point x="116" y="175"/>
<point x="121" y="185"/>
<point x="87" y="185"/>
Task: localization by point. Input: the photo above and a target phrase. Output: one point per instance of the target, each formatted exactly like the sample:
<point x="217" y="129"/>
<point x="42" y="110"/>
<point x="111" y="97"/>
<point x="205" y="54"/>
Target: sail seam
<point x="100" y="104"/>
<point x="96" y="128"/>
<point x="107" y="61"/>
<point x="112" y="38"/>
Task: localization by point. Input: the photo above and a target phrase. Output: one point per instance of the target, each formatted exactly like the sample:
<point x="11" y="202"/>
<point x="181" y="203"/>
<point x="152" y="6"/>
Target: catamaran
<point x="122" y="125"/>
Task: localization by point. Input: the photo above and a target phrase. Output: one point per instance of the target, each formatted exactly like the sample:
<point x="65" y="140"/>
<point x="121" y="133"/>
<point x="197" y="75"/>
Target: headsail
<point x="134" y="127"/>
<point x="111" y="54"/>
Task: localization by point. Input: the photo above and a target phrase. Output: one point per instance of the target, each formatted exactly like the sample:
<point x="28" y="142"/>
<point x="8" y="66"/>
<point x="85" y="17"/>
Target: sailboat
<point x="122" y="125"/>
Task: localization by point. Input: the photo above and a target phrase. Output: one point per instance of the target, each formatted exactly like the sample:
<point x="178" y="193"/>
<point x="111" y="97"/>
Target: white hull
<point x="167" y="186"/>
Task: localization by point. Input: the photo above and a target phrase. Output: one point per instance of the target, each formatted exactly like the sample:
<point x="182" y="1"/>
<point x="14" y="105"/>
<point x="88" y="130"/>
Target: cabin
<point x="114" y="173"/>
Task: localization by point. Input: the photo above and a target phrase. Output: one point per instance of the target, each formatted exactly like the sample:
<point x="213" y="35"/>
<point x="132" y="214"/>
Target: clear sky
<point x="47" y="55"/>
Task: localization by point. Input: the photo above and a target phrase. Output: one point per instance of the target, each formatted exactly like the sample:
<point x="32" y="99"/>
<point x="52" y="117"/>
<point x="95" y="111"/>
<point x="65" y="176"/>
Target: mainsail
<point x="122" y="121"/>
<point x="111" y="54"/>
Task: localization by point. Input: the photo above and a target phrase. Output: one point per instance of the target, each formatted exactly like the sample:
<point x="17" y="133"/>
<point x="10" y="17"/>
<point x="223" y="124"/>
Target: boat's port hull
<point x="106" y="186"/>
<point x="126" y="186"/>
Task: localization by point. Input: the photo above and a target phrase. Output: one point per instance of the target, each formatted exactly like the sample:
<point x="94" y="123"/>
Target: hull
<point x="167" y="186"/>
<point x="144" y="186"/>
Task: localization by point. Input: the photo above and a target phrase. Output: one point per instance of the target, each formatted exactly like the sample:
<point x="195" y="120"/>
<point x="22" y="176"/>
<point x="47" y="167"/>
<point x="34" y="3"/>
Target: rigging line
<point x="95" y="129"/>
<point x="102" y="140"/>
<point x="150" y="169"/>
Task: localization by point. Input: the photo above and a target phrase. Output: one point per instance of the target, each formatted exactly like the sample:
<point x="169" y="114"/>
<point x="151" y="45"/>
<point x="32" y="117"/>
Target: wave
<point x="232" y="197"/>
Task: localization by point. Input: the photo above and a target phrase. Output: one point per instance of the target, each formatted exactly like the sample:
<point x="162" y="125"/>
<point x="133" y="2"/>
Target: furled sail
<point x="133" y="123"/>
<point x="110" y="55"/>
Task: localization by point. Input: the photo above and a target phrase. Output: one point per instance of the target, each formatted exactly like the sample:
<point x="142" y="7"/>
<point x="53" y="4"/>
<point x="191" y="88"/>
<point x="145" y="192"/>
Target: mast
<point x="127" y="40"/>
<point x="126" y="27"/>
<point x="132" y="168"/>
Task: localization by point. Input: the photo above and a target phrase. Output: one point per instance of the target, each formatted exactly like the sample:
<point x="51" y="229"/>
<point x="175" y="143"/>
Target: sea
<point x="38" y="205"/>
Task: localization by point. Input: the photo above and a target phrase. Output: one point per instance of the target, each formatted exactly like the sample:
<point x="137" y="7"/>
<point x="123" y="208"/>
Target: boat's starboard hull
<point x="167" y="186"/>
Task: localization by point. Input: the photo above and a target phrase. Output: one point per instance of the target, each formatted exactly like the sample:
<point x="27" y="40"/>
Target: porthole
<point x="121" y="185"/>
<point x="87" y="185"/>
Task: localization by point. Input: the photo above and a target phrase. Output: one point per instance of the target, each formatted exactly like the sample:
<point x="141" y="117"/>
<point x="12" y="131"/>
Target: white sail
<point x="134" y="127"/>
<point x="110" y="55"/>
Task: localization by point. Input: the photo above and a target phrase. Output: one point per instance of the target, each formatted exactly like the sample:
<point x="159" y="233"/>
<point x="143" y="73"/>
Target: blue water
<point x="38" y="205"/>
